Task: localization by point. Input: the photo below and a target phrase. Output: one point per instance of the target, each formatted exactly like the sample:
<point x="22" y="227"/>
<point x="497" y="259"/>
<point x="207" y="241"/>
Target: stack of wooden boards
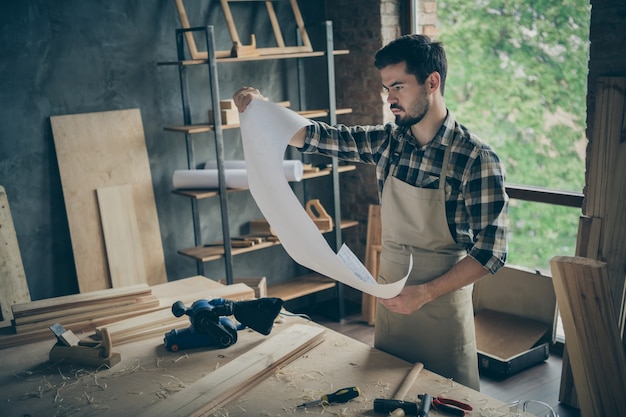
<point x="130" y="313"/>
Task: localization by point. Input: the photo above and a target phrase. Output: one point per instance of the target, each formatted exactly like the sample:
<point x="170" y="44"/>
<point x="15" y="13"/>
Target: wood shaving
<point x="185" y="356"/>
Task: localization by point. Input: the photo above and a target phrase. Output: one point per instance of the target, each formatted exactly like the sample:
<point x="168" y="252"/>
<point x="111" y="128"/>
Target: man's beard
<point x="412" y="118"/>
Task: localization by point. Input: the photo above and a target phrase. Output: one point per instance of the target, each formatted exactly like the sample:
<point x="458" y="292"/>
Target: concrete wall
<point x="79" y="56"/>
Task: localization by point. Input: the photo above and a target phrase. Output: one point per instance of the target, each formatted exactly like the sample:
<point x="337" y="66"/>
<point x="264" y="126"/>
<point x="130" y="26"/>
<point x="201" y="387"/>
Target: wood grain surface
<point x="97" y="150"/>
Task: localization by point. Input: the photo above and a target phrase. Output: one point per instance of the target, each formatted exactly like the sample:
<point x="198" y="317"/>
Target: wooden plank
<point x="77" y="300"/>
<point x="233" y="379"/>
<point x="168" y="293"/>
<point x="606" y="178"/>
<point x="121" y="235"/>
<point x="81" y="320"/>
<point x="97" y="150"/>
<point x="258" y="284"/>
<point x="61" y="313"/>
<point x="373" y="248"/>
<point x="13" y="284"/>
<point x="591" y="330"/>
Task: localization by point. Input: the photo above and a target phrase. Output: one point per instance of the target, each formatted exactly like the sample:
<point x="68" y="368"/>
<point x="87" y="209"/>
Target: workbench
<point x="149" y="374"/>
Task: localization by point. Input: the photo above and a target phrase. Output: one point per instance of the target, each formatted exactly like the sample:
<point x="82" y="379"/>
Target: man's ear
<point x="433" y="81"/>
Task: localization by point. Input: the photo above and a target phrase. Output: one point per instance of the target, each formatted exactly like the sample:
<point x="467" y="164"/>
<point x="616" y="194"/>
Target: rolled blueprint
<point x="198" y="179"/>
<point x="293" y="168"/>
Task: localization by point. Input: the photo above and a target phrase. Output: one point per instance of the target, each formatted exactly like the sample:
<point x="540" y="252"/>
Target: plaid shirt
<point x="476" y="200"/>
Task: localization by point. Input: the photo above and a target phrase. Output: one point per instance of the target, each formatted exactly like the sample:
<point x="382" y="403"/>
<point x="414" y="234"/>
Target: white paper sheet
<point x="266" y="129"/>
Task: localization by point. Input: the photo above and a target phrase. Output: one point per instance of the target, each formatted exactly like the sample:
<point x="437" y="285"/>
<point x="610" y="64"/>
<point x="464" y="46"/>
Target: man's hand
<point x="410" y="299"/>
<point x="413" y="297"/>
<point x="244" y="96"/>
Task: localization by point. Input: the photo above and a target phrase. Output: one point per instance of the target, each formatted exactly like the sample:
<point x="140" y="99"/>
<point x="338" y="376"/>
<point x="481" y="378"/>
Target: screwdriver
<point x="340" y="396"/>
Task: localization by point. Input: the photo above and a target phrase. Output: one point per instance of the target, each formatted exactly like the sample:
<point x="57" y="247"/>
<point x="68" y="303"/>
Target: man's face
<point x="408" y="100"/>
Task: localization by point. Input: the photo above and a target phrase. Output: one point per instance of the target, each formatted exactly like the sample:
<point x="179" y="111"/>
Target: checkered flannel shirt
<point x="476" y="200"/>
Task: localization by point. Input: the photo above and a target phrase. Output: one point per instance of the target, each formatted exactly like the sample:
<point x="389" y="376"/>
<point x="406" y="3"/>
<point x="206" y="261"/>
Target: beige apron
<point x="441" y="334"/>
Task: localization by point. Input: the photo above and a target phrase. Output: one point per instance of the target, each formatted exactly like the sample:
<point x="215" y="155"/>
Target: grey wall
<point x="79" y="56"/>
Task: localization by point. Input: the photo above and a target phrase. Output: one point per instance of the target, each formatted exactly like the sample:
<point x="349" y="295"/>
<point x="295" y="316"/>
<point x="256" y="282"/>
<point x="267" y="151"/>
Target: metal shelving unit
<point x="309" y="283"/>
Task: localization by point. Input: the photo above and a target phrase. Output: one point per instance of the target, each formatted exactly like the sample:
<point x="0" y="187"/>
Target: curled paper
<point x="266" y="129"/>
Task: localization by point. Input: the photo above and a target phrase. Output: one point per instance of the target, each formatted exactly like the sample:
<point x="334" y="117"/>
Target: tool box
<point x="515" y="314"/>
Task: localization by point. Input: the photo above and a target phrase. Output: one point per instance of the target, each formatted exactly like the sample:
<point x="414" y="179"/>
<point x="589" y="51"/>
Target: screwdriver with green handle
<point x="340" y="396"/>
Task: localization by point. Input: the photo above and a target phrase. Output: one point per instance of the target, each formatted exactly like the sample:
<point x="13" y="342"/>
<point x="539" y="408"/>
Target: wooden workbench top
<point x="149" y="374"/>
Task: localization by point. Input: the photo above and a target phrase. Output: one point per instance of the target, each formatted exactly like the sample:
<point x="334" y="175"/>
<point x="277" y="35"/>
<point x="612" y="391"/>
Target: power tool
<point x="210" y="325"/>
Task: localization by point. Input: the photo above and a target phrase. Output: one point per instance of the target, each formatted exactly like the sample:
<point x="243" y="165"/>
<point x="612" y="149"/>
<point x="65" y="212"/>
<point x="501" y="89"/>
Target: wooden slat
<point x="13" y="285"/>
<point x="121" y="235"/>
<point x="97" y="150"/>
<point x="77" y="320"/>
<point x="590" y="324"/>
<point x="373" y="249"/>
<point x="77" y="300"/>
<point x="233" y="379"/>
<point x="606" y="178"/>
<point x="60" y="314"/>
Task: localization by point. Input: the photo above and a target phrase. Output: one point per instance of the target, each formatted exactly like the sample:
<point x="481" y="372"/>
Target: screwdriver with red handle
<point x="342" y="395"/>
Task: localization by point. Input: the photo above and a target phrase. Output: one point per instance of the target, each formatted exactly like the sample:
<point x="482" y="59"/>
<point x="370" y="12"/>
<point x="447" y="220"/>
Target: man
<point x="443" y="201"/>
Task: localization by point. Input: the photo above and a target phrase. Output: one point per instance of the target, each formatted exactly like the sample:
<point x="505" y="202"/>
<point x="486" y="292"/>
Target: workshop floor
<point x="540" y="382"/>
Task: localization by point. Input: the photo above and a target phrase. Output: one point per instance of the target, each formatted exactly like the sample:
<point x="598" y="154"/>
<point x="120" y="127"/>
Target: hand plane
<point x="70" y="349"/>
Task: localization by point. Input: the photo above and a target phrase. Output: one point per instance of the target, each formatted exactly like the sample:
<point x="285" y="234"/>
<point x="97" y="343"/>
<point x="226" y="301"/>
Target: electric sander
<point x="211" y="325"/>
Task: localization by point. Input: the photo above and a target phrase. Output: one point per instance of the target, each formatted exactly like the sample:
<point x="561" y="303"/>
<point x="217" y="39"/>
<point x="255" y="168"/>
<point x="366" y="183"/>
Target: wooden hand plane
<point x="70" y="349"/>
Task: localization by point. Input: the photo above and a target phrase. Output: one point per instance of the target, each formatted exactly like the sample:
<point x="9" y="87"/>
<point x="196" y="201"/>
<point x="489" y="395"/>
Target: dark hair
<point x="421" y="54"/>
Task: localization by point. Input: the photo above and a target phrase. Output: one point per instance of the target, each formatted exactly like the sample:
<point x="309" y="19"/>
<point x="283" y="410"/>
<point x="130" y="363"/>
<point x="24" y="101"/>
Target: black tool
<point x="421" y="409"/>
<point x="211" y="327"/>
<point x="425" y="401"/>
<point x="383" y="405"/>
<point x="340" y="396"/>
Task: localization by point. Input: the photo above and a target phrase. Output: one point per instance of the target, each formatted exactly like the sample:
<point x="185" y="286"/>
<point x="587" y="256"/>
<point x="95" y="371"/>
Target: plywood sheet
<point x="97" y="150"/>
<point x="121" y="235"/>
<point x="13" y="285"/>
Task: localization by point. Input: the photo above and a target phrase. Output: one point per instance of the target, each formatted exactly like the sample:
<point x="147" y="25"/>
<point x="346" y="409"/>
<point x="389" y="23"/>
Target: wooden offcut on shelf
<point x="214" y="252"/>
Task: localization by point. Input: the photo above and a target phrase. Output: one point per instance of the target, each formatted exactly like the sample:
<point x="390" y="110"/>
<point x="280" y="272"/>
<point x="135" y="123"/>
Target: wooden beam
<point x="13" y="285"/>
<point x="373" y="249"/>
<point x="594" y="346"/>
<point x="233" y="379"/>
